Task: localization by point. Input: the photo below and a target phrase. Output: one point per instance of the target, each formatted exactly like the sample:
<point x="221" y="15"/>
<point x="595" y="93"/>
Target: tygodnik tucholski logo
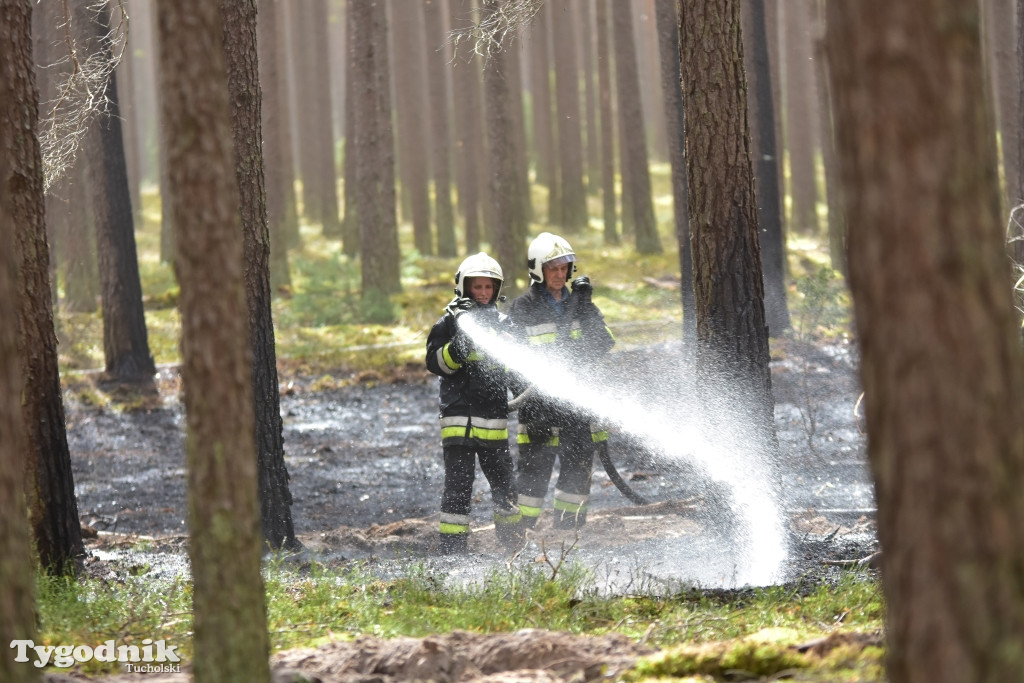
<point x="152" y="657"/>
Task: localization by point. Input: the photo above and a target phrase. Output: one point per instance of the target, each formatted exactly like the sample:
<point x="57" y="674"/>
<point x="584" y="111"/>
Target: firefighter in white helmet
<point x="568" y="326"/>
<point x="474" y="407"/>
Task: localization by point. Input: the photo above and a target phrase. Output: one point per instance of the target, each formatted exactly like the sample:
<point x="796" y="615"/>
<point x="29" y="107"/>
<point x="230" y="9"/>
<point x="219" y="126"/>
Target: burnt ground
<point x="366" y="475"/>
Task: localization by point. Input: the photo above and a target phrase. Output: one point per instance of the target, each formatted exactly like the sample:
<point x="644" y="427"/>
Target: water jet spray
<point x="668" y="422"/>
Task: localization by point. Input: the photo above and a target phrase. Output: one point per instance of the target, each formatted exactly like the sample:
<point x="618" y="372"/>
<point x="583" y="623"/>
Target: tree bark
<point x="592" y="144"/>
<point x="273" y="113"/>
<point x="942" y="365"/>
<point x="324" y="164"/>
<point x="801" y="134"/>
<point x="567" y="104"/>
<point x="242" y="63"/>
<point x="668" y="49"/>
<point x="732" y="336"/>
<point x="836" y="224"/>
<point x="49" y="483"/>
<point x="504" y="174"/>
<point x="413" y="119"/>
<point x="634" y="149"/>
<point x="125" y="341"/>
<point x="466" y="103"/>
<point x="437" y="99"/>
<point x="766" y="166"/>
<point x="375" y="172"/>
<point x="604" y="84"/>
<point x="230" y="641"/>
<point x="17" y="577"/>
<point x="350" y="222"/>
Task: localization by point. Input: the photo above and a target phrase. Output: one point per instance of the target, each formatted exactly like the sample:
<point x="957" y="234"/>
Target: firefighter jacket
<point x="577" y="337"/>
<point x="474" y="389"/>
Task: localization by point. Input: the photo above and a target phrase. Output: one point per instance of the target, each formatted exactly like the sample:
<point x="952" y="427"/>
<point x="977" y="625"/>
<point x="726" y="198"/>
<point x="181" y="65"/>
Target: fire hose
<point x="603" y="454"/>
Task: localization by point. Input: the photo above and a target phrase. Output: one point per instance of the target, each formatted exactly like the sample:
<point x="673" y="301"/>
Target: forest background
<point x="307" y="114"/>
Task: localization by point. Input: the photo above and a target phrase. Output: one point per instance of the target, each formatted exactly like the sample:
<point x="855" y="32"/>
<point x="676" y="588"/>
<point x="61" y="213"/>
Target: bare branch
<point x="495" y="27"/>
<point x="81" y="96"/>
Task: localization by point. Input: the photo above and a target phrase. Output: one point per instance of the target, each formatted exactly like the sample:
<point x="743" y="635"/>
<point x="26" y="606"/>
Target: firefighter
<point x="474" y="407"/>
<point x="569" y="329"/>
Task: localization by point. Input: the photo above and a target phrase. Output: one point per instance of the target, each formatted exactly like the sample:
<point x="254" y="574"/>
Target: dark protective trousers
<point x="460" y="472"/>
<point x="575" y="453"/>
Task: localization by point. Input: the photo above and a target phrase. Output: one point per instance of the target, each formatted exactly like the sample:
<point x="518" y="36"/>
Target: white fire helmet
<point x="548" y="249"/>
<point x="478" y="265"/>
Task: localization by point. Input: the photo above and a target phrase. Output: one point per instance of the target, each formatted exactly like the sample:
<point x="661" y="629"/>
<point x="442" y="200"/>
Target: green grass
<point x="698" y="632"/>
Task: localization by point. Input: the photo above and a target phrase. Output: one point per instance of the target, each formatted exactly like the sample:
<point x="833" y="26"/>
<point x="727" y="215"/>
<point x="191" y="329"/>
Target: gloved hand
<point x="582" y="288"/>
<point x="461" y="305"/>
<point x="461" y="346"/>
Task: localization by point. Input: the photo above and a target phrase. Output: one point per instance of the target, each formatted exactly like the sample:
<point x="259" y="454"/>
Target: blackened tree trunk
<point x="732" y="336"/>
<point x="500" y="136"/>
<point x="230" y="642"/>
<point x="49" y="484"/>
<point x="766" y="167"/>
<point x="239" y="19"/>
<point x="668" y="48"/>
<point x="125" y="342"/>
<point x="567" y="104"/>
<point x="636" y="170"/>
<point x="604" y="84"/>
<point x="467" y="107"/>
<point x="942" y="366"/>
<point x="437" y="98"/>
<point x="17" y="577"/>
<point x="279" y="187"/>
<point x="375" y="172"/>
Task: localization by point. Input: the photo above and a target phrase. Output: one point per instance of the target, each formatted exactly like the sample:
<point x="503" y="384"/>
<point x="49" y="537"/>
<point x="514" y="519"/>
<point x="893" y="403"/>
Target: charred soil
<point x="365" y="469"/>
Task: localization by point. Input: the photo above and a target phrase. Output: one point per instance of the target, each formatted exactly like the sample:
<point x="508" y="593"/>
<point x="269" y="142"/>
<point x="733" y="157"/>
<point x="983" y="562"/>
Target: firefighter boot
<point x="454" y="544"/>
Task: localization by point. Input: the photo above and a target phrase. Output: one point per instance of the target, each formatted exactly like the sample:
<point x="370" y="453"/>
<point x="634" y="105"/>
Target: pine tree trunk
<point x="593" y="138"/>
<point x="765" y="152"/>
<point x="230" y="641"/>
<point x="468" y="131"/>
<point x="49" y="483"/>
<point x="17" y="577"/>
<point x="732" y="336"/>
<point x="242" y="62"/>
<point x="324" y="165"/>
<point x="437" y="98"/>
<point x="125" y="340"/>
<point x="942" y="365"/>
<point x="605" y="96"/>
<point x="668" y="48"/>
<point x="801" y="136"/>
<point x="567" y="104"/>
<point x="280" y="195"/>
<point x="634" y="151"/>
<point x="500" y="136"/>
<point x="375" y="172"/>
